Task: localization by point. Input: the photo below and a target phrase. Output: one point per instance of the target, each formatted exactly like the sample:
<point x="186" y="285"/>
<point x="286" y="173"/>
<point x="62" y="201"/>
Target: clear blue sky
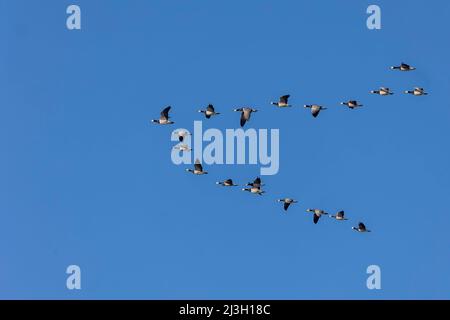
<point x="86" y="180"/>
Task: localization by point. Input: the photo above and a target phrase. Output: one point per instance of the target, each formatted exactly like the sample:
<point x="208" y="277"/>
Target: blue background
<point x="85" y="179"/>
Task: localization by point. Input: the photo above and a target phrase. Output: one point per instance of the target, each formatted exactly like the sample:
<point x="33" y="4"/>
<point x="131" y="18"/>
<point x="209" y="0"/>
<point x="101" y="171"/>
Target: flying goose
<point x="315" y="109"/>
<point x="227" y="183"/>
<point x="317" y="214"/>
<point x="256" y="183"/>
<point x="182" y="147"/>
<point x="403" y="67"/>
<point x="209" y="111"/>
<point x="287" y="202"/>
<point x="361" y="228"/>
<point x="164" y="119"/>
<point x="255" y="190"/>
<point x="338" y="216"/>
<point x="198" y="169"/>
<point x="283" y="101"/>
<point x="417" y="91"/>
<point x="383" y="91"/>
<point x="245" y="114"/>
<point x="352" y="104"/>
<point x="182" y="134"/>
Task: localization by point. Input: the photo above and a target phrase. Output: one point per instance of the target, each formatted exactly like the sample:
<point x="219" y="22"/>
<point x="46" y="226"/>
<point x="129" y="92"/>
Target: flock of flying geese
<point x="255" y="186"/>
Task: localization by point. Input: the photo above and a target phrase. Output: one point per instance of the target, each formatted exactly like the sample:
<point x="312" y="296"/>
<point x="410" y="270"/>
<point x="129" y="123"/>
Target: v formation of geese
<point x="255" y="187"/>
